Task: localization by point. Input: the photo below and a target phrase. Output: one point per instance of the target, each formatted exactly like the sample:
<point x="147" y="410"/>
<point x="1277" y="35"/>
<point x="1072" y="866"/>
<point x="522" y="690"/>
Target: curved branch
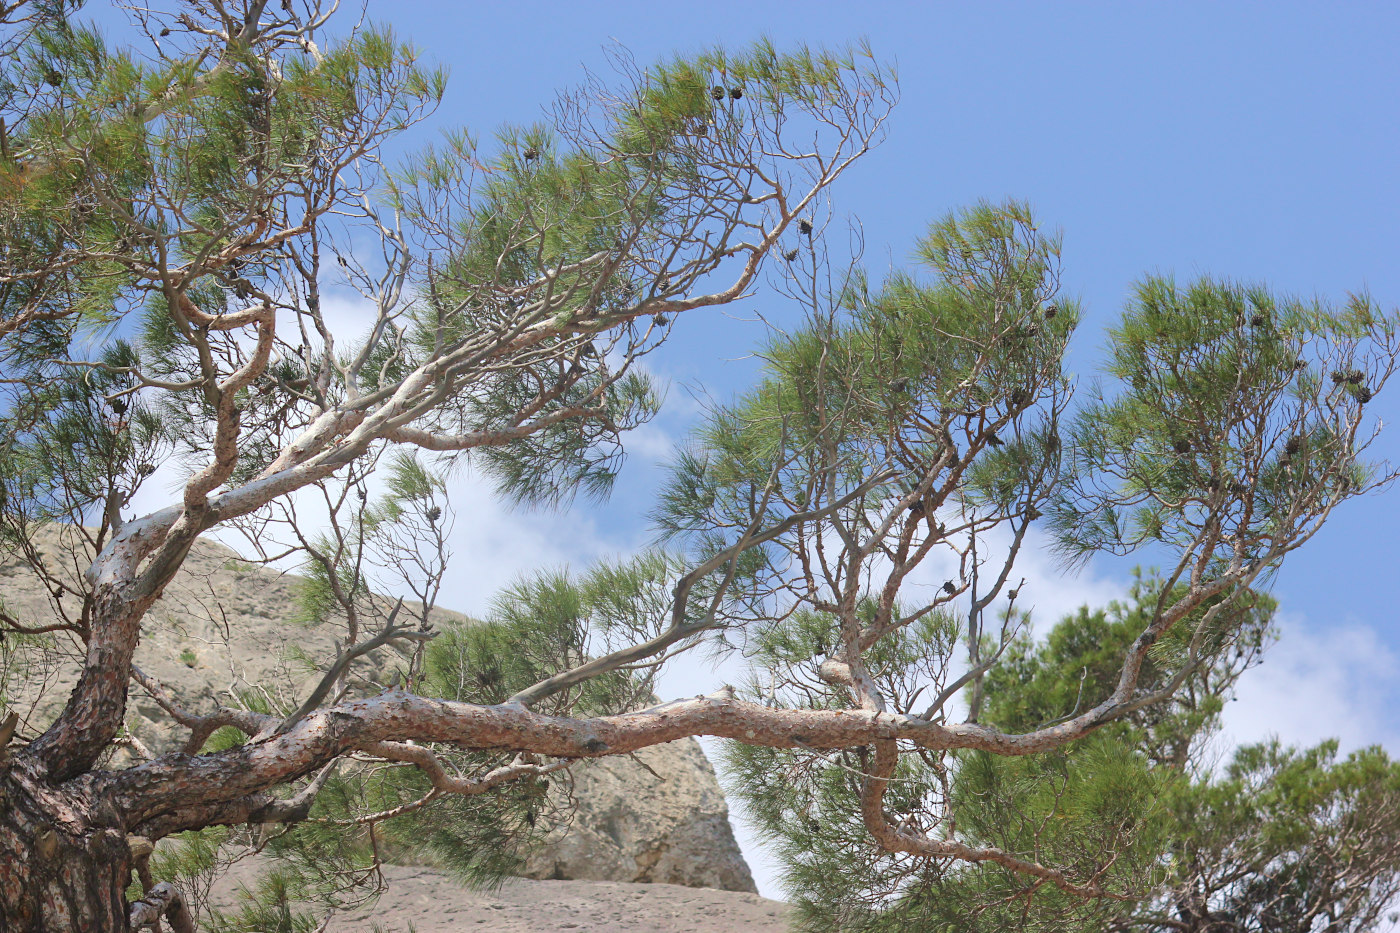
<point x="872" y="796"/>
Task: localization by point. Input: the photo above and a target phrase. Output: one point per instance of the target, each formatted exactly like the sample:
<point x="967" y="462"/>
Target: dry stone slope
<point x="631" y="825"/>
<point x="426" y="901"/>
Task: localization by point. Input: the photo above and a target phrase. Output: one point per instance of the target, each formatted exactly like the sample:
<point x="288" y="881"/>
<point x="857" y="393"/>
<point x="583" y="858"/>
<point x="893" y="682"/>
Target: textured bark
<point x="94" y="712"/>
<point x="64" y="861"/>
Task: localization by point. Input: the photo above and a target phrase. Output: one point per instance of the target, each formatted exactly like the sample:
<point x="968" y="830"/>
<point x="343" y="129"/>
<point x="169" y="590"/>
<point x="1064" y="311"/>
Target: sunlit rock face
<point x="670" y="827"/>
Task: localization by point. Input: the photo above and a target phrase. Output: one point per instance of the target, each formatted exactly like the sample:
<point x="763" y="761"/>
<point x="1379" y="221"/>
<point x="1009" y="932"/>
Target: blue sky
<point x="1251" y="141"/>
<point x="1254" y="141"/>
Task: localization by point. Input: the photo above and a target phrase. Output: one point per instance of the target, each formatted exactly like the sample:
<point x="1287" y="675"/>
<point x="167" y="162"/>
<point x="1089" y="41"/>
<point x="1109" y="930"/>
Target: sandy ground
<point x="433" y="903"/>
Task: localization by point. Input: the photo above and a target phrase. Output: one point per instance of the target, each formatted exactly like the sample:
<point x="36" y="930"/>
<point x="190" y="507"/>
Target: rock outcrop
<point x="670" y="826"/>
<point x="223" y="625"/>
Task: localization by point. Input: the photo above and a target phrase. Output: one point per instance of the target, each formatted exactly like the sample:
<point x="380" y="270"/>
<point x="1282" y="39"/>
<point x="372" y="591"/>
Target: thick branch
<point x="174" y="781"/>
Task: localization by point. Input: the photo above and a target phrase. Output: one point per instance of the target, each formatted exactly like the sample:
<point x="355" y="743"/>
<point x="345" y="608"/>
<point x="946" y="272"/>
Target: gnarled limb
<point x="163" y="900"/>
<point x="171" y="783"/>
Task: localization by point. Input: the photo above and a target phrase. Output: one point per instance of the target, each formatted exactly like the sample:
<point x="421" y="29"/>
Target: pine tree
<point x="1275" y="841"/>
<point x="173" y="216"/>
<point x="1186" y="369"/>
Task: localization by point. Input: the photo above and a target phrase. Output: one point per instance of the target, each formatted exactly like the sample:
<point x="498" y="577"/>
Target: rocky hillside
<point x="420" y="900"/>
<point x="222" y="626"/>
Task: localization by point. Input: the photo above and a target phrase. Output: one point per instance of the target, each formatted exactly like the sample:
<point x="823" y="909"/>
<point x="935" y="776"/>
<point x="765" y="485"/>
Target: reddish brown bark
<point x="94" y="712"/>
<point x="64" y="861"/>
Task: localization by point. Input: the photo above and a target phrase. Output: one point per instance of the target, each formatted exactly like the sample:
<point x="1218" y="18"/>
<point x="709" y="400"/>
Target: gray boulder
<point x="670" y="826"/>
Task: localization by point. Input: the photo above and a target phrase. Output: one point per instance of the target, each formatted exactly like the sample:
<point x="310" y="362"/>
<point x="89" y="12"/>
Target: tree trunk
<point x="64" y="859"/>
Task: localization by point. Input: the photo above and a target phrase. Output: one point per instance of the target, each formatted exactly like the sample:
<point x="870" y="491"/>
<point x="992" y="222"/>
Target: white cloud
<point x="348" y="314"/>
<point x="1318" y="684"/>
<point x="493" y="544"/>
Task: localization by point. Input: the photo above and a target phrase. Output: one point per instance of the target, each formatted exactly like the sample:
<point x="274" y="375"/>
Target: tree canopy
<point x="177" y="214"/>
<point x="1273" y="840"/>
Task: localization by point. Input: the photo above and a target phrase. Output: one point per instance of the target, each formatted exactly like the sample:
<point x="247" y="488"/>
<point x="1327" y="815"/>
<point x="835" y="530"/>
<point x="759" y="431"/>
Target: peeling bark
<point x="270" y="759"/>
